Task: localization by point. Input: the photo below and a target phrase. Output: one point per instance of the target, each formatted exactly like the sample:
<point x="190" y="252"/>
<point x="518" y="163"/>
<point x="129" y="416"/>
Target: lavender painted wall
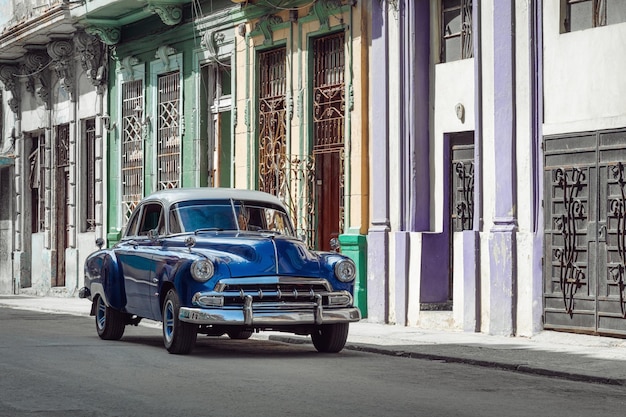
<point x="502" y="243"/>
<point x="378" y="239"/>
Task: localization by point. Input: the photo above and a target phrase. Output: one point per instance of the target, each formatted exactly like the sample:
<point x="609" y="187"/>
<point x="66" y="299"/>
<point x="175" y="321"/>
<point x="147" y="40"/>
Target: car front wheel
<point x="110" y="323"/>
<point x="179" y="337"/>
<point x="330" y="338"/>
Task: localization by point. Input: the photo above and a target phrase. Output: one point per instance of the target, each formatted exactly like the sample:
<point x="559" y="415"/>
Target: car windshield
<point x="193" y="216"/>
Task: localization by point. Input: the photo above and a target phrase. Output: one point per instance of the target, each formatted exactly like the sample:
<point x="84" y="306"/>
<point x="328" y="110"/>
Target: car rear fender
<point x="111" y="284"/>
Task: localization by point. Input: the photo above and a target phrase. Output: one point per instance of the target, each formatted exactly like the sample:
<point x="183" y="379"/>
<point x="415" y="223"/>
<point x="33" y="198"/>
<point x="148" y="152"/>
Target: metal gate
<point x="585" y="232"/>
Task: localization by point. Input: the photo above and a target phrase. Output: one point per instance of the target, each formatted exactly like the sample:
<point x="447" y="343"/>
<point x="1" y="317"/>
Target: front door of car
<point x="138" y="256"/>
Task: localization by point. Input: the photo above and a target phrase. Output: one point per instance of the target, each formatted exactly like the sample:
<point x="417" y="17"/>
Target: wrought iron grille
<point x="456" y="30"/>
<point x="462" y="177"/>
<point x="168" y="140"/>
<point x="63" y="145"/>
<point x="329" y="92"/>
<point x="567" y="184"/>
<point x="90" y="169"/>
<point x="132" y="146"/>
<point x="272" y="121"/>
<point x="616" y="234"/>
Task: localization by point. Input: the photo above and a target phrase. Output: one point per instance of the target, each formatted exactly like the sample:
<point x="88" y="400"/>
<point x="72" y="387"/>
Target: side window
<point x="151" y="218"/>
<point x="174" y="221"/>
<point x="131" y="228"/>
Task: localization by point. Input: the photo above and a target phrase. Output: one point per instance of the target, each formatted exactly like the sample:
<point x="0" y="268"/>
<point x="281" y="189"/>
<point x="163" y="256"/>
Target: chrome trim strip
<point x="221" y="285"/>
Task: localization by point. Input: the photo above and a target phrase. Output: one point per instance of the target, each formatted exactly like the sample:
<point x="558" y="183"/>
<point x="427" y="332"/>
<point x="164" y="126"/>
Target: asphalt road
<point x="55" y="365"/>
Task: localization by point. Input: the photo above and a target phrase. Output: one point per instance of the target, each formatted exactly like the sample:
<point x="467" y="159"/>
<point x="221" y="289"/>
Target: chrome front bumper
<point x="269" y="314"/>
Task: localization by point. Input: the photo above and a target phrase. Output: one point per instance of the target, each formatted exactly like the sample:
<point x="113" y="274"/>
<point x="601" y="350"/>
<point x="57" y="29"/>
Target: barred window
<point x="272" y="120"/>
<point x="585" y="14"/>
<point x="132" y="146"/>
<point x="168" y="135"/>
<point x="36" y="180"/>
<point x="89" y="149"/>
<point x="456" y="30"/>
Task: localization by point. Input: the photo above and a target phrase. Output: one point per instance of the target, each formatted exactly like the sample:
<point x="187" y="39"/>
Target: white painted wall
<point x="454" y="84"/>
<point x="584" y="79"/>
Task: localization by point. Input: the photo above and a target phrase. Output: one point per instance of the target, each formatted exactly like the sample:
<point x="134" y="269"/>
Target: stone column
<point x="502" y="240"/>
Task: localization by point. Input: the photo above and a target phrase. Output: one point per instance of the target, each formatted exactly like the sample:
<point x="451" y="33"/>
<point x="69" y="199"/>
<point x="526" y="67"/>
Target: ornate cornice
<point x="7" y="76"/>
<point x="170" y="14"/>
<point x="61" y="52"/>
<point x="110" y="35"/>
<point x="92" y="57"/>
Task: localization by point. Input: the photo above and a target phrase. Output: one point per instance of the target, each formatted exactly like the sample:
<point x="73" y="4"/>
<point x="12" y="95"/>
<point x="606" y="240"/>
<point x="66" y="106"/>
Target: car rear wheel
<point x="110" y="323"/>
<point x="179" y="337"/>
<point x="240" y="334"/>
<point x="330" y="338"/>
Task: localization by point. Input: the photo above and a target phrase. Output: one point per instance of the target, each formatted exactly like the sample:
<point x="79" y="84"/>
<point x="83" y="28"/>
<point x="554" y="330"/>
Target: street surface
<point x="55" y="365"/>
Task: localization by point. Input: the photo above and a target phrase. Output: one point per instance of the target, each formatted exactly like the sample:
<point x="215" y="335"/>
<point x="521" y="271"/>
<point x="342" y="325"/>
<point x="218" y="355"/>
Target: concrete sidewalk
<point x="564" y="355"/>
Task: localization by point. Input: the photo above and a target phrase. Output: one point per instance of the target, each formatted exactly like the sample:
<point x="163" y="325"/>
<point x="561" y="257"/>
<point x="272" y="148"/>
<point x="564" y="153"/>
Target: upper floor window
<point x="272" y="119"/>
<point x="132" y="146"/>
<point x="168" y="131"/>
<point x="456" y="30"/>
<point x="585" y="14"/>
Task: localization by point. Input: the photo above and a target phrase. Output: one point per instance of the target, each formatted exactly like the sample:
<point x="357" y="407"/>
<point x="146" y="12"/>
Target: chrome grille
<point x="304" y="290"/>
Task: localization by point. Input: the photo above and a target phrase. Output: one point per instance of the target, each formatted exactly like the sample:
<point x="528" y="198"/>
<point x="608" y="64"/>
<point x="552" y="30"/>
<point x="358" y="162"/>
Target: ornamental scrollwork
<point x="571" y="275"/>
<point x="465" y="204"/>
<point x="617" y="209"/>
<point x="92" y="58"/>
<point x="170" y="14"/>
<point x="61" y="53"/>
<point x="8" y="73"/>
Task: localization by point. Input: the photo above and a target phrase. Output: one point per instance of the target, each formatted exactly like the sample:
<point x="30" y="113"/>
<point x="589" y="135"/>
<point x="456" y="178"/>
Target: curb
<point x="512" y="367"/>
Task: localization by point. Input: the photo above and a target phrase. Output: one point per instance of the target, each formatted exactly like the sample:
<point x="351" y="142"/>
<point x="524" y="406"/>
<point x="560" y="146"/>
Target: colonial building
<point x="501" y="137"/>
<point x="54" y="79"/>
<point x="301" y="129"/>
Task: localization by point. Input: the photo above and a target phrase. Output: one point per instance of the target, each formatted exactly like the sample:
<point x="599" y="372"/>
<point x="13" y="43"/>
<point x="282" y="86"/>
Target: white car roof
<point x="175" y="195"/>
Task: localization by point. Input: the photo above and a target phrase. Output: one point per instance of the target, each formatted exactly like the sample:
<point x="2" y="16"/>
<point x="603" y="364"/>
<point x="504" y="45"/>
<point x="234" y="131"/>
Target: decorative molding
<point x="7" y="76"/>
<point x="126" y="67"/>
<point x="163" y="54"/>
<point x="264" y="26"/>
<point x="211" y="40"/>
<point x="92" y="57"/>
<point x="170" y="14"/>
<point x="37" y="78"/>
<point x="62" y="54"/>
<point x="110" y="35"/>
<point x="323" y="9"/>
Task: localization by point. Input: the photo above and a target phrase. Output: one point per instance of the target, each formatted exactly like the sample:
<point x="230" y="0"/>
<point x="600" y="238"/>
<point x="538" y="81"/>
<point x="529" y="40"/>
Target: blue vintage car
<point x="219" y="261"/>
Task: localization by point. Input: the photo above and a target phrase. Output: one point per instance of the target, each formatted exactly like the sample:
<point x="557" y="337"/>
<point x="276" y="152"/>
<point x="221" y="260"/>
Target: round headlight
<point x="345" y="270"/>
<point x="202" y="270"/>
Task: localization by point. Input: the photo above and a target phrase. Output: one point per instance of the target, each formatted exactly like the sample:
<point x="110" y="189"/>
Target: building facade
<point x="301" y="118"/>
<point x="502" y="154"/>
<point x="54" y="79"/>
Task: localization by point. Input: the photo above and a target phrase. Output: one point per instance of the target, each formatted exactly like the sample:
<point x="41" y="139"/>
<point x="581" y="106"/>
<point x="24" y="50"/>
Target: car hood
<point x="260" y="254"/>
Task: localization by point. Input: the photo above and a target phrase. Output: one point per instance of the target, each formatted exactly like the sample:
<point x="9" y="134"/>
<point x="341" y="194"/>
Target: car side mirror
<point x="153" y="234"/>
<point x="99" y="243"/>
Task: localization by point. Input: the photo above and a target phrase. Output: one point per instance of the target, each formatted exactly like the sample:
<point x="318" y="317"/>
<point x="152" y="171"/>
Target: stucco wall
<point x="454" y="85"/>
<point x="583" y="76"/>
